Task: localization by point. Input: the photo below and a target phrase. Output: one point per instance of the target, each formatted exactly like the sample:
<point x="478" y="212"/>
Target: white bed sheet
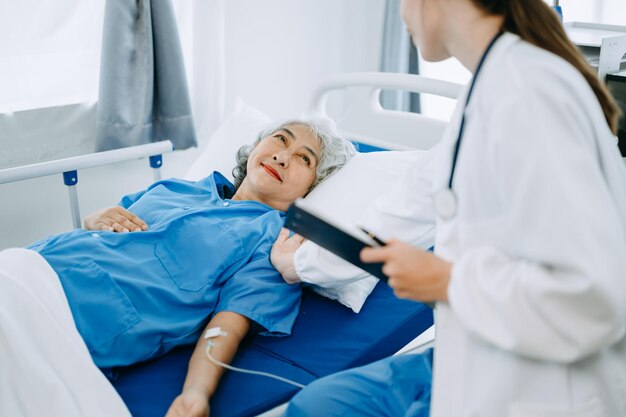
<point x="46" y="367"/>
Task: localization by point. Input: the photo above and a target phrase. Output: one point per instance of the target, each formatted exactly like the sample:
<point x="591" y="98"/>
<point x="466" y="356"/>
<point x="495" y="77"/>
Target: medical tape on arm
<point x="214" y="333"/>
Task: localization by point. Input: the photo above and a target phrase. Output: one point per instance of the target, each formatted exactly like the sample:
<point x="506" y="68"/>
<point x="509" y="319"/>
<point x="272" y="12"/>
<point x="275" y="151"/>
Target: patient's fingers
<point x="115" y="219"/>
<point x="134" y="222"/>
<point x="117" y="227"/>
<point x="282" y="254"/>
<point x="128" y="219"/>
<point x="126" y="223"/>
<point x="102" y="226"/>
<point x="283" y="235"/>
<point x="107" y="223"/>
<point x="293" y="243"/>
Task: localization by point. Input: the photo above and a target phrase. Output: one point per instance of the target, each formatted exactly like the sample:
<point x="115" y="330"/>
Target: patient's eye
<point x="306" y="159"/>
<point x="281" y="138"/>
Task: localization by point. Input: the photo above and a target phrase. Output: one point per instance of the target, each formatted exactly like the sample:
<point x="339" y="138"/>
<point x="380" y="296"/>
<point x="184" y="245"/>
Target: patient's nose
<point x="282" y="161"/>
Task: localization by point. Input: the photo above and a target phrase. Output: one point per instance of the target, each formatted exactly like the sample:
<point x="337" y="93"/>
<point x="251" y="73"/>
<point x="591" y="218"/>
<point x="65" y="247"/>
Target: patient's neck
<point x="247" y="193"/>
<point x="242" y="194"/>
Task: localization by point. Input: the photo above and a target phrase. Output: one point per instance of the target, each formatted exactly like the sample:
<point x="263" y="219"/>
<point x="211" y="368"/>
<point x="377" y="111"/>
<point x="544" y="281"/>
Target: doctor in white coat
<point x="529" y="272"/>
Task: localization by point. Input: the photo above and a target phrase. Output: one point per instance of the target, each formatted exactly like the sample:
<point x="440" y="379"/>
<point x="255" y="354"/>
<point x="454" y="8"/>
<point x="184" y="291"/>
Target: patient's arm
<point x="282" y="254"/>
<point x="203" y="375"/>
<point x="114" y="219"/>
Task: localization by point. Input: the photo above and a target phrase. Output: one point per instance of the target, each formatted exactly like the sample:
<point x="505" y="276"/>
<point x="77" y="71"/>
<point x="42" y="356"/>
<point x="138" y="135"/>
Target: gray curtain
<point x="143" y="89"/>
<point x="398" y="55"/>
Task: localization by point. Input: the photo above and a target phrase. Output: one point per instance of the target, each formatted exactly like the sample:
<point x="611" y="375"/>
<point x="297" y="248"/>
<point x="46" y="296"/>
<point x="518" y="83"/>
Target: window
<point x="49" y="76"/>
<point x="49" y="53"/>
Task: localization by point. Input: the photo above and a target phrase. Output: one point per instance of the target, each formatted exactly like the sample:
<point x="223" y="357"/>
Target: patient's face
<point x="282" y="166"/>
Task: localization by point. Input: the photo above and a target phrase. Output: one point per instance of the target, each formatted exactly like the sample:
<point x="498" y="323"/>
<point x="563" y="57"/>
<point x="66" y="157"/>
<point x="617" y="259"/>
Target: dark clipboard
<point x="330" y="237"/>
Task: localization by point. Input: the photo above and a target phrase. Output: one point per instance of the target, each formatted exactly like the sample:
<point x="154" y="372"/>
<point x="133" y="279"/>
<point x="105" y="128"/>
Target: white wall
<point x="276" y="51"/>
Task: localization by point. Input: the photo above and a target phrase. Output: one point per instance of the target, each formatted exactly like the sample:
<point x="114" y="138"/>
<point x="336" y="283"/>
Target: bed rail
<point x="387" y="80"/>
<point x="398" y="129"/>
<point x="69" y="168"/>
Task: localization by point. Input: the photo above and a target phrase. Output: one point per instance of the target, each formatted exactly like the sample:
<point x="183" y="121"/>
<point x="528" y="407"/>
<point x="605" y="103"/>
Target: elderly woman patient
<point x="145" y="276"/>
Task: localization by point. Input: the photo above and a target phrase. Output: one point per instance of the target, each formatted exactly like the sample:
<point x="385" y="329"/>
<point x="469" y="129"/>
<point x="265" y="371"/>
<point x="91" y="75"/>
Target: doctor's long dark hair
<point x="536" y="23"/>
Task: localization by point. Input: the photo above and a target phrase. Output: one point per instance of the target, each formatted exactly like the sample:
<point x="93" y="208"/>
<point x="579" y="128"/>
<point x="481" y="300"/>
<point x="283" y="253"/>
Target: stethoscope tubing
<point x="457" y="146"/>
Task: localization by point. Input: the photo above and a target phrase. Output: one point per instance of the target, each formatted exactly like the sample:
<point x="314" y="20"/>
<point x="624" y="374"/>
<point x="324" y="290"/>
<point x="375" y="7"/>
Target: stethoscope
<point x="445" y="199"/>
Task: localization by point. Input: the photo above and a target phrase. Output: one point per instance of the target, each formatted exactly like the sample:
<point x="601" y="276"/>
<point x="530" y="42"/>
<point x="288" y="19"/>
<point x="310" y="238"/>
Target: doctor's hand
<point x="413" y="273"/>
<point x="282" y="255"/>
<point x="114" y="219"/>
<point x="189" y="404"/>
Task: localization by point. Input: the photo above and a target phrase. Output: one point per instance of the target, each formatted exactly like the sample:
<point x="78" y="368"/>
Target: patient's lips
<point x="272" y="172"/>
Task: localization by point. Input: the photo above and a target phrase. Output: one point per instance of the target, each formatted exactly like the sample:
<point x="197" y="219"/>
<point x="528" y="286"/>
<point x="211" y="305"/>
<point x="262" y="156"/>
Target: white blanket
<point x="45" y="367"/>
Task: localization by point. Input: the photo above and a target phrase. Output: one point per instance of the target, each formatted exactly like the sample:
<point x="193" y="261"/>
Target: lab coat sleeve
<point x="546" y="278"/>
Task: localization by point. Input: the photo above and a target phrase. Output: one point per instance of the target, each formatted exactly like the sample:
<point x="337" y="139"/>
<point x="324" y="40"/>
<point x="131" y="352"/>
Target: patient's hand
<point x="114" y="219"/>
<point x="282" y="255"/>
<point x="189" y="404"/>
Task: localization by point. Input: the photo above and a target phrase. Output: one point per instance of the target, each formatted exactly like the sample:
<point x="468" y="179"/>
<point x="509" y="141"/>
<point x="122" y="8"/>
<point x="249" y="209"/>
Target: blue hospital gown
<point x="135" y="296"/>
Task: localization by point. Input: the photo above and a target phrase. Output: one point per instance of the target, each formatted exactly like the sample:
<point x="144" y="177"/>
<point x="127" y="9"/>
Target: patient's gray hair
<point x="336" y="150"/>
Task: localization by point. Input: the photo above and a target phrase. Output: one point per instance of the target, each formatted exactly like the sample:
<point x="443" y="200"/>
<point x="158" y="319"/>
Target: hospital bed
<point x="327" y="337"/>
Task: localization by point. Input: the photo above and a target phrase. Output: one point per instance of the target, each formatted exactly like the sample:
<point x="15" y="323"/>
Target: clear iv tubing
<point x="247" y="371"/>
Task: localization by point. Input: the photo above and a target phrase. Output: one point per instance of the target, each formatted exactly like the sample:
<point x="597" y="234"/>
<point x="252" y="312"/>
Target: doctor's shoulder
<point x="528" y="73"/>
<point x="523" y="67"/>
<point x="541" y="71"/>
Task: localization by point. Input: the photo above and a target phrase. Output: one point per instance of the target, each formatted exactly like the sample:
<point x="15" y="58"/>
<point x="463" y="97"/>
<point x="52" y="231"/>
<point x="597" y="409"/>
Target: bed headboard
<point x="389" y="129"/>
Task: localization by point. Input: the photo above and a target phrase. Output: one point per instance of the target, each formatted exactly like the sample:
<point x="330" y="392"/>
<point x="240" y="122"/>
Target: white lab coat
<point x="536" y="316"/>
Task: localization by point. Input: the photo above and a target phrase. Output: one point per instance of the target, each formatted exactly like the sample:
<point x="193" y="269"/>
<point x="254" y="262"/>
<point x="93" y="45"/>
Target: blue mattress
<point x="326" y="338"/>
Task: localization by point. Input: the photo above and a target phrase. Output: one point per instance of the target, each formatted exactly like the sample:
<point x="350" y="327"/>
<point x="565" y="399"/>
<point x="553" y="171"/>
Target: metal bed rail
<point x="69" y="167"/>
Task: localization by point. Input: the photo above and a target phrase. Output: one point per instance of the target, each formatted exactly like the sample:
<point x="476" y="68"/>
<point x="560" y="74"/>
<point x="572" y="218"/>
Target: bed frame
<point x="366" y="121"/>
<point x="327" y="337"/>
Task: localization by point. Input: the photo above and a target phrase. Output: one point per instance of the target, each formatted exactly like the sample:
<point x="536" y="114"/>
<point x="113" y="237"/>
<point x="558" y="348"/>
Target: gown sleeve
<point x="258" y="292"/>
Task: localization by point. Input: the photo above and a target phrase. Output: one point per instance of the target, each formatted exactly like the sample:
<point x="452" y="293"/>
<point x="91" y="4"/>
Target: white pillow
<point x="239" y="129"/>
<point x="360" y="192"/>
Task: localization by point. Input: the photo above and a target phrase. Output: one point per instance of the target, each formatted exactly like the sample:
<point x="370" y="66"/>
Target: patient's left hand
<point x="282" y="255"/>
<point x="189" y="404"/>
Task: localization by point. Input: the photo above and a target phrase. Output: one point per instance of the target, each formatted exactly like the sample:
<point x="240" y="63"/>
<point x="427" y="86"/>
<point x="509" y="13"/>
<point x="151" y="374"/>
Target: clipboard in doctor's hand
<point x="342" y="241"/>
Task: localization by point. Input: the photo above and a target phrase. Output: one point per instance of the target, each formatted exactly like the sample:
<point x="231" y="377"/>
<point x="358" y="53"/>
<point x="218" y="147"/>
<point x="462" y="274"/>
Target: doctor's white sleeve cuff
<point x="332" y="277"/>
<point x="315" y="265"/>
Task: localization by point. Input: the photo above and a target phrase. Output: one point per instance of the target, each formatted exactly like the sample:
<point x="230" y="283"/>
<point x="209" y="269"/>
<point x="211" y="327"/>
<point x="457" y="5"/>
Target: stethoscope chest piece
<point x="445" y="203"/>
